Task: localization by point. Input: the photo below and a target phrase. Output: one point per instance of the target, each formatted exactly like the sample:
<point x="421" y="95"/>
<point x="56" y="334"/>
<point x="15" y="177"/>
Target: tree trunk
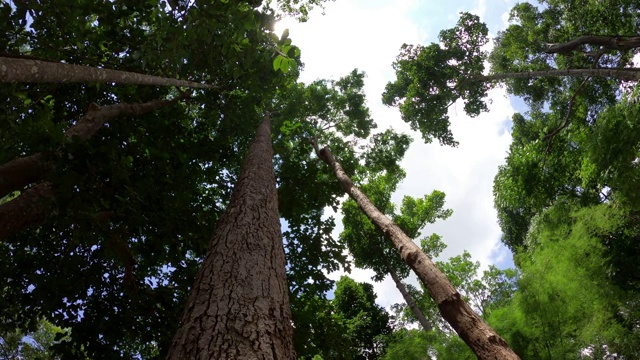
<point x="477" y="334"/>
<point x="426" y="325"/>
<point x="27" y="209"/>
<point x="38" y="71"/>
<point x="239" y="307"/>
<point x="20" y="172"/>
<point x="627" y="74"/>
<point x="622" y="43"/>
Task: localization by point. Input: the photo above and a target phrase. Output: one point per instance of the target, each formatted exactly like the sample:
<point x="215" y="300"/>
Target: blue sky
<point x="367" y="34"/>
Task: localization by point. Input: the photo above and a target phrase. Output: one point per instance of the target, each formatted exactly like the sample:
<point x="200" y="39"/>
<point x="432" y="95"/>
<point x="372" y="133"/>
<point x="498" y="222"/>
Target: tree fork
<point x="239" y="305"/>
<point x="477" y="334"/>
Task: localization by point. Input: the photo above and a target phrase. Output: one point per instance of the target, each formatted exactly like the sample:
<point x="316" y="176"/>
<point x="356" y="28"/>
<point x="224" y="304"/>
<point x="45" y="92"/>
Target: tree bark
<point x="239" y="307"/>
<point x="38" y="71"/>
<point x="476" y="333"/>
<point x="621" y="43"/>
<point x="627" y="74"/>
<point x="426" y="325"/>
<point x="27" y="209"/>
<point x="20" y="172"/>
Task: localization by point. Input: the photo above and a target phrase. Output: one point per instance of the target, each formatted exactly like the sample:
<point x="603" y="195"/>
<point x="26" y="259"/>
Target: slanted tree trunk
<point x="476" y="333"/>
<point x="20" y="172"/>
<point x="239" y="307"/>
<point x="426" y="325"/>
<point x="627" y="74"/>
<point x="38" y="71"/>
<point x="27" y="209"/>
<point x="622" y="43"/>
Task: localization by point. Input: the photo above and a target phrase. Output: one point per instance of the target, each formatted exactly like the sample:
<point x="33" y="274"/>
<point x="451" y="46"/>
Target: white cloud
<point x="349" y="37"/>
<point x="367" y="36"/>
<point x="505" y="18"/>
<point x="480" y="9"/>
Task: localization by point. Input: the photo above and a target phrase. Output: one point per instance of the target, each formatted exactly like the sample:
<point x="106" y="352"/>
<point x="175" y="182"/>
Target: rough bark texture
<point x="477" y="334"/>
<point x="239" y="307"/>
<point x="20" y="172"/>
<point x="27" y="209"/>
<point x="627" y="74"/>
<point x="37" y="71"/>
<point x="426" y="325"/>
<point x="621" y="43"/>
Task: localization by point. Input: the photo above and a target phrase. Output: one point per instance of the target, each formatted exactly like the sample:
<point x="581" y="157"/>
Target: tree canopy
<point x="124" y="128"/>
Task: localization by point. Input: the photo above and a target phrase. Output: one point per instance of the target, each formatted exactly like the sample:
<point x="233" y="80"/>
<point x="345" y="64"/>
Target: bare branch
<point x="38" y="71"/>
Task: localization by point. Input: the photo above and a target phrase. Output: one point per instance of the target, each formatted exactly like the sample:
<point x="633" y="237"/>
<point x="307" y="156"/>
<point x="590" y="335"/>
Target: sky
<point x="367" y="35"/>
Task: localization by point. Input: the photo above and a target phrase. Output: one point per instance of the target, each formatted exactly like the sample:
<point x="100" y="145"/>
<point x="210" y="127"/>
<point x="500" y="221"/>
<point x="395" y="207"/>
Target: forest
<point x="167" y="180"/>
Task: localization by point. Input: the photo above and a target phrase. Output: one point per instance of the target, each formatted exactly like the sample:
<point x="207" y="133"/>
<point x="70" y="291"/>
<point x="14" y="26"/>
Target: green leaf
<point x="277" y="63"/>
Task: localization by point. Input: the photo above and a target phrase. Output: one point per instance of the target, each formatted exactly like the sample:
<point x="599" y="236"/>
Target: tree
<point x="540" y="39"/>
<point x="590" y="163"/>
<point x="24" y="171"/>
<point x="368" y="245"/>
<point x="481" y="338"/>
<point x="430" y="79"/>
<point x="135" y="202"/>
<point x="562" y="190"/>
<point x="485" y="293"/>
<point x="566" y="302"/>
<point x="33" y="345"/>
<point x="409" y="344"/>
<point x="364" y="320"/>
<point x="239" y="305"/>
<point x="349" y="326"/>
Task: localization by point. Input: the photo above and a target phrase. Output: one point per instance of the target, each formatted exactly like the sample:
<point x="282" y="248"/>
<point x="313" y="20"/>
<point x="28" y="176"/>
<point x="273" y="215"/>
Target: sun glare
<point x="284" y="24"/>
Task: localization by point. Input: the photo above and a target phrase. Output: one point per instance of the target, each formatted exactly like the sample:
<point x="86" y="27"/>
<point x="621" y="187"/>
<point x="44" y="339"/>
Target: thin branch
<point x="549" y="137"/>
<point x="567" y="117"/>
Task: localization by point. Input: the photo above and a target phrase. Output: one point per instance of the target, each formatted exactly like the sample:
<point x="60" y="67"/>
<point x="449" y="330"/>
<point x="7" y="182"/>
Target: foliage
<point x="486" y="293"/>
<point x="591" y="164"/>
<point x="365" y="321"/>
<point x="409" y="344"/>
<point x="382" y="174"/>
<point x="368" y="245"/>
<point x="431" y="78"/>
<point x="33" y="345"/>
<point x="135" y="205"/>
<point x="552" y="154"/>
<point x="566" y="301"/>
<point x="522" y="46"/>
<point x="351" y="326"/>
<point x="564" y="197"/>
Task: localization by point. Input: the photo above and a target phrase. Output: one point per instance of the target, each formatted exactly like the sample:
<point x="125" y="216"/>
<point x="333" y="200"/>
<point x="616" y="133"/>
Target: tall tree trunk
<point x="622" y="43"/>
<point x="27" y="209"/>
<point x="426" y="325"/>
<point x="476" y="333"/>
<point x="627" y="74"/>
<point x="38" y="71"/>
<point x="20" y="172"/>
<point x="239" y="307"/>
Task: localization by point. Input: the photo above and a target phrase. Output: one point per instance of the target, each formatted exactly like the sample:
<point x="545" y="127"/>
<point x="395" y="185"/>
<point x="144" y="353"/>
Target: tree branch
<point x="38" y="71"/>
<point x="610" y="43"/>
